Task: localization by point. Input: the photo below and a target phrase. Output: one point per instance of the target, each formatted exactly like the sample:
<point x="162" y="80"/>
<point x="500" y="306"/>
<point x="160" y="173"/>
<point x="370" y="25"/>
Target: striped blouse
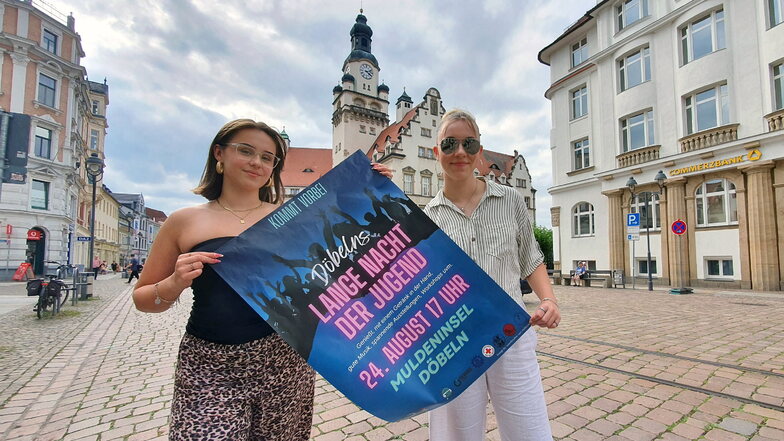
<point x="498" y="236"/>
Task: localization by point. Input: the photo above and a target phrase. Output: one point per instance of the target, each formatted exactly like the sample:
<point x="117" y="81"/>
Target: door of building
<point x="36" y="246"/>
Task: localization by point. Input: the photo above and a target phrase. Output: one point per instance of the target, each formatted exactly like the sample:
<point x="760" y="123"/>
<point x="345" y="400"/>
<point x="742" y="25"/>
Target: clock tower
<point x="360" y="105"/>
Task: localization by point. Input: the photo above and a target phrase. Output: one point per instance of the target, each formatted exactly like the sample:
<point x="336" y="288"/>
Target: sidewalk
<point x="623" y="365"/>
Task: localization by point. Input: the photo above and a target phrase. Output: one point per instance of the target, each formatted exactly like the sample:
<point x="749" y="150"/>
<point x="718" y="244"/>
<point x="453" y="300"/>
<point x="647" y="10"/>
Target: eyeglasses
<point x="248" y="152"/>
<point x="470" y="145"/>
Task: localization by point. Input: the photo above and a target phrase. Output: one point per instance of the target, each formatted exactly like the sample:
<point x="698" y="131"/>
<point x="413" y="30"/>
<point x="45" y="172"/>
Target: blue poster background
<point x="378" y="300"/>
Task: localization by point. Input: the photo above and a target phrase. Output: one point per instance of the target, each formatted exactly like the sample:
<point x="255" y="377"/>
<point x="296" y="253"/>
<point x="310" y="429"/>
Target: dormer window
<point x="50" y="41"/>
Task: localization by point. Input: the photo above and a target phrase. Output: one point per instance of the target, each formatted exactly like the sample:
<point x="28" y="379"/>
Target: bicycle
<point x="49" y="292"/>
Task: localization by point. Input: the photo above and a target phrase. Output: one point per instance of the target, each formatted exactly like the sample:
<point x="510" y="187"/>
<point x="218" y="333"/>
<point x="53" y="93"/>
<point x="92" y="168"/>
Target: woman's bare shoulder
<point x="191" y="210"/>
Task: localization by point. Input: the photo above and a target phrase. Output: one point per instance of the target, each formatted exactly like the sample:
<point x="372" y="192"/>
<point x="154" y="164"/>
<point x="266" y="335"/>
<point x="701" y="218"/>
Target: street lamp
<point x="94" y="166"/>
<point x="631" y="183"/>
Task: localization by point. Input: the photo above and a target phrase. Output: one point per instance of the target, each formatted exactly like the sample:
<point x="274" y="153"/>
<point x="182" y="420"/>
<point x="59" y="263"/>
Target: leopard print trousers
<point x="260" y="391"/>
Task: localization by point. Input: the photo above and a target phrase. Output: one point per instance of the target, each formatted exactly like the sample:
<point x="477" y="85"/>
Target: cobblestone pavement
<point x="623" y="365"/>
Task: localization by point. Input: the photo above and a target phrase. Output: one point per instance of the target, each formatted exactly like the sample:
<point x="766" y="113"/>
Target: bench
<point x="555" y="275"/>
<point x="603" y="276"/>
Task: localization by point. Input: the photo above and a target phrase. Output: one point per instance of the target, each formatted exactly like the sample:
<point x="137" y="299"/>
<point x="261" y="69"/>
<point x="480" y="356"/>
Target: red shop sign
<point x="33" y="235"/>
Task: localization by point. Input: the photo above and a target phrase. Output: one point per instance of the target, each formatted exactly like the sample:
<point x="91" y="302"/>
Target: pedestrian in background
<point x="96" y="266"/>
<point x="236" y="379"/>
<point x="490" y="223"/>
<point x="133" y="268"/>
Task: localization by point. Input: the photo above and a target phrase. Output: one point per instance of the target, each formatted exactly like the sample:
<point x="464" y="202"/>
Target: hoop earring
<point x="269" y="183"/>
<point x="219" y="168"/>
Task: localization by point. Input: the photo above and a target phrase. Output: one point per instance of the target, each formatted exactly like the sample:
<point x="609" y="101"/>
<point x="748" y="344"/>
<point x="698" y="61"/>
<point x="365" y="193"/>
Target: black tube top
<point x="219" y="314"/>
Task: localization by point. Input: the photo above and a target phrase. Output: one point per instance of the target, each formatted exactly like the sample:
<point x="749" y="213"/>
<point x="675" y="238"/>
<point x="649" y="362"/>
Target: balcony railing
<point x="709" y="138"/>
<point x="638" y="156"/>
<point x="775" y="120"/>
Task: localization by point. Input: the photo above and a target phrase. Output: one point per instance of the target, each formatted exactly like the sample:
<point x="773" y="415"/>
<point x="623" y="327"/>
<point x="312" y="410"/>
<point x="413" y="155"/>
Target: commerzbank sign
<point x="752" y="155"/>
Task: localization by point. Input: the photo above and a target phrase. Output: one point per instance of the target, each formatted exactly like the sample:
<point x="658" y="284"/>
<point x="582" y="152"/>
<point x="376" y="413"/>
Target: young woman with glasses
<point x="236" y="379"/>
<point x="490" y="223"/>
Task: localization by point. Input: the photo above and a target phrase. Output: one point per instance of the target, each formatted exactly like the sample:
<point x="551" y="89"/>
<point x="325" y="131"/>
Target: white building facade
<point x="691" y="88"/>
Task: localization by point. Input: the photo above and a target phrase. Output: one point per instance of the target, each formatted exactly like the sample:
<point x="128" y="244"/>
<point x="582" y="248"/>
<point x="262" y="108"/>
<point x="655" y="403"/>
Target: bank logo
<point x="754" y="155"/>
<point x="488" y="351"/>
<point x="509" y="330"/>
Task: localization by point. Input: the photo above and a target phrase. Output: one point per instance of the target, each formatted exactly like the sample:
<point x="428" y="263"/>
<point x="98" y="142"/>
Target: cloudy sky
<point x="178" y="69"/>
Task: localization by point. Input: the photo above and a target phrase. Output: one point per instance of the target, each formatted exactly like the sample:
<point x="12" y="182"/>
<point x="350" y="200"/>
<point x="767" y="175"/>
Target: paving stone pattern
<point x="623" y="365"/>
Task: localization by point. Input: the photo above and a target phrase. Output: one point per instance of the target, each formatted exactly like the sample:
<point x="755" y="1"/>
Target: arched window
<point x="638" y="206"/>
<point x="582" y="220"/>
<point x="716" y="203"/>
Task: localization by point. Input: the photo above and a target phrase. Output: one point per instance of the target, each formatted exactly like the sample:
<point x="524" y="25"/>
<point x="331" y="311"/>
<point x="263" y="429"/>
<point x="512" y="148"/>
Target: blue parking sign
<point x="633" y="220"/>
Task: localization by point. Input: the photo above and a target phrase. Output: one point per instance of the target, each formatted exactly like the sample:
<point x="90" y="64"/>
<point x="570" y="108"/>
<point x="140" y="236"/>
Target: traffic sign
<point x="633" y="220"/>
<point x="678" y="227"/>
<point x="633" y="236"/>
<point x="83" y="238"/>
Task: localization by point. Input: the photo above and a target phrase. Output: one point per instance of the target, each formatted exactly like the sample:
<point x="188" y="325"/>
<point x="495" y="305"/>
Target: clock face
<point x="366" y="71"/>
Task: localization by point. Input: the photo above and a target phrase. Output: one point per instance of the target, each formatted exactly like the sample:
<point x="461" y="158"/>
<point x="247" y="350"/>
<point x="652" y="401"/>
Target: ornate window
<point x="46" y="90"/>
<point x="426" y="185"/>
<point x="637" y="131"/>
<point x="648" y="218"/>
<point x="716" y="203"/>
<point x="579" y="102"/>
<point x="408" y="183"/>
<point x="582" y="154"/>
<point x="707" y="109"/>
<point x="579" y="52"/>
<point x="93" y="139"/>
<point x="50" y="41"/>
<point x="582" y="220"/>
<point x="43" y="142"/>
<point x="426" y="152"/>
<point x="775" y="12"/>
<point x="703" y="36"/>
<point x="631" y="11"/>
<point x="39" y="195"/>
<point x="642" y="266"/>
<point x="635" y="68"/>
<point x="778" y="85"/>
<point x="719" y="267"/>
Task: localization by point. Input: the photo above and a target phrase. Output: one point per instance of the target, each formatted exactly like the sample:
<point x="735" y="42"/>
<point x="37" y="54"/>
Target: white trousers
<point x="514" y="385"/>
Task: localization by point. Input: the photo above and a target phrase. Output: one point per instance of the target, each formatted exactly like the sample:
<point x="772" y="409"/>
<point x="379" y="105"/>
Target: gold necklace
<point x="468" y="203"/>
<point x="234" y="212"/>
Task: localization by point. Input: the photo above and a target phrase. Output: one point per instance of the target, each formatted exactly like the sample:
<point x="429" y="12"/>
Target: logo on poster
<point x="488" y="351"/>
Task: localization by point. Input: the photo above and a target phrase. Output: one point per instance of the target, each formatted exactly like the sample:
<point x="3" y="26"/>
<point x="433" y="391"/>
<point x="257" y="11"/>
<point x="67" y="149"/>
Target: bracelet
<point x="546" y="299"/>
<point x="159" y="299"/>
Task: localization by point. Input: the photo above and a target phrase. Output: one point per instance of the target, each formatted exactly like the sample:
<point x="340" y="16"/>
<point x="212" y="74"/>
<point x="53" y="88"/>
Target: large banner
<point x="354" y="276"/>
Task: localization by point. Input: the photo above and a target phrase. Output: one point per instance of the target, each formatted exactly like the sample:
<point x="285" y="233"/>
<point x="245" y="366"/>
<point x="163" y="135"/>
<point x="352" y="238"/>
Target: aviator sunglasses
<point x="470" y="145"/>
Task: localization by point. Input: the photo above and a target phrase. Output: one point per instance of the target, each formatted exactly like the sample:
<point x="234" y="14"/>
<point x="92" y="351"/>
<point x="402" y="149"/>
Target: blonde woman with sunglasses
<point x="490" y="223"/>
<point x="236" y="379"/>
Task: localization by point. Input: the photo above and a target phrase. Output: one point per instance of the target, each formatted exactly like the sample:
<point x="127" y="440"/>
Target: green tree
<point x="545" y="238"/>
